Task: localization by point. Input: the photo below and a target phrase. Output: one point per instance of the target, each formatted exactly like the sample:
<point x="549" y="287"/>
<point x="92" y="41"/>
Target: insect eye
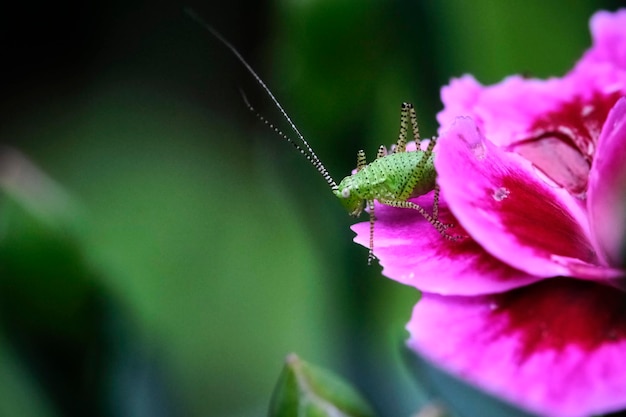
<point x="345" y="193"/>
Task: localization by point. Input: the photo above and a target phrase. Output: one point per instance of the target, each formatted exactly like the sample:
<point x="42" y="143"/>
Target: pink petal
<point x="505" y="207"/>
<point x="506" y="112"/>
<point x="606" y="201"/>
<point x="609" y="38"/>
<point x="565" y="140"/>
<point x="412" y="251"/>
<point x="460" y="98"/>
<point x="555" y="347"/>
<point x="602" y="69"/>
<point x="559" y="160"/>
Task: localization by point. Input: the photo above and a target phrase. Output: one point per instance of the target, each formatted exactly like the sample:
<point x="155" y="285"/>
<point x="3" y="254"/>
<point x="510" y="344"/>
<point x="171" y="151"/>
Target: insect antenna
<point x="310" y="157"/>
<point x="307" y="151"/>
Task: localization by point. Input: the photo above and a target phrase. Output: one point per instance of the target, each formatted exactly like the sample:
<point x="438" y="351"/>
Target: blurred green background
<point x="172" y="251"/>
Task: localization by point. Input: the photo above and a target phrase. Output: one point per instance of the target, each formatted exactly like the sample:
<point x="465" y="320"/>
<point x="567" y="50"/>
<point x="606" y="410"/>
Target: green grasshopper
<point x="391" y="179"/>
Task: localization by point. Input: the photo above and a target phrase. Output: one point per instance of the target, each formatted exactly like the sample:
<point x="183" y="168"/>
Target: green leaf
<point x="304" y="390"/>
<point x="460" y="398"/>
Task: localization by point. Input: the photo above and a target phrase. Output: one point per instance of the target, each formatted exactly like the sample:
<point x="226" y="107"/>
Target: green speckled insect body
<point x="391" y="179"/>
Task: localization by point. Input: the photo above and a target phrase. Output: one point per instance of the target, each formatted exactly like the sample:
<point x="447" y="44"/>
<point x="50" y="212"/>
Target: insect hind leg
<point x="438" y="225"/>
<point x="407" y="112"/>
<point x="436" y="206"/>
<point x="436" y="191"/>
<point x="361" y="161"/>
<point x="417" y="175"/>
<point x="414" y="125"/>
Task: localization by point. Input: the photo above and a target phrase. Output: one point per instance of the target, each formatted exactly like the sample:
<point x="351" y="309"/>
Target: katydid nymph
<point x="391" y="179"/>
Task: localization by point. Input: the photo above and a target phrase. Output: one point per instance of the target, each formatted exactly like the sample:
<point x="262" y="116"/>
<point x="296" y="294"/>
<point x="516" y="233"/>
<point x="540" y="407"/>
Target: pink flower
<point x="529" y="306"/>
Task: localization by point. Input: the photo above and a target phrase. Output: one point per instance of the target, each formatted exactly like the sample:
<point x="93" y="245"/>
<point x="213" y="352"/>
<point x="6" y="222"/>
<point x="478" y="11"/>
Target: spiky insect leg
<point x="408" y="109"/>
<point x="361" y="162"/>
<point x="370" y="255"/>
<point x="408" y="113"/>
<point x="441" y="227"/>
<point x="436" y="202"/>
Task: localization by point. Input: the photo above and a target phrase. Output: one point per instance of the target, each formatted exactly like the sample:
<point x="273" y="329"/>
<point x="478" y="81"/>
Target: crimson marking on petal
<point x="505" y="206"/>
<point x="557" y="313"/>
<point x="536" y="219"/>
<point x="580" y="119"/>
<point x="564" y="141"/>
<point x="413" y="252"/>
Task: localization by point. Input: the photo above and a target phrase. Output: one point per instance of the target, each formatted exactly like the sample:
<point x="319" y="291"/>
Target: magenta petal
<point x="460" y="98"/>
<point x="412" y="252"/>
<point x="606" y="201"/>
<point x="505" y="112"/>
<point x="603" y="67"/>
<point x="504" y="205"/>
<point x="555" y="347"/>
<point x="609" y="38"/>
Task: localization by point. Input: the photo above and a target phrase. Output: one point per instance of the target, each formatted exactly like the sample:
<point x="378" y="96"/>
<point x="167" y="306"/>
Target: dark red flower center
<point x="563" y="142"/>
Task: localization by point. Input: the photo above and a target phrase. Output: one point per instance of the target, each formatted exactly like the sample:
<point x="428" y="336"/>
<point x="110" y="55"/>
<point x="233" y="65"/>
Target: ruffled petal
<point x="609" y="38"/>
<point x="412" y="251"/>
<point x="508" y="112"/>
<point x="514" y="215"/>
<point x="555" y="347"/>
<point x="606" y="203"/>
<point x="602" y="68"/>
<point x="553" y="123"/>
<point x="505" y="112"/>
<point x="460" y="98"/>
